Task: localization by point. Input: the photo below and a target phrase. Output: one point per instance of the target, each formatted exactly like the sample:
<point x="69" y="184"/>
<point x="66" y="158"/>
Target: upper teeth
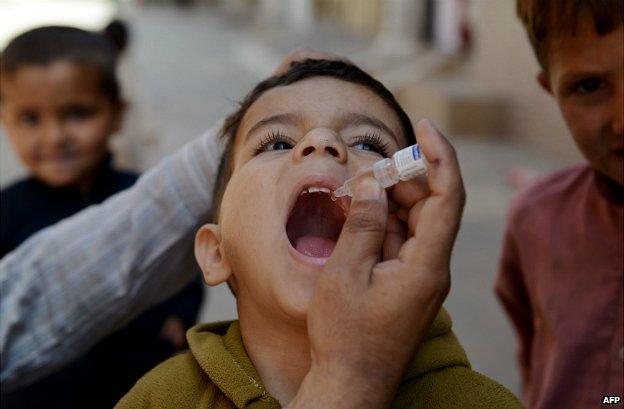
<point x="314" y="189"/>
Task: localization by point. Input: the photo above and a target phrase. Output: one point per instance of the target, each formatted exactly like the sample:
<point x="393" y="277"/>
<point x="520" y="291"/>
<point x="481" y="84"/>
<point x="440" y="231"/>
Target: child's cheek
<point x="27" y="148"/>
<point x="586" y="126"/>
<point x="246" y="196"/>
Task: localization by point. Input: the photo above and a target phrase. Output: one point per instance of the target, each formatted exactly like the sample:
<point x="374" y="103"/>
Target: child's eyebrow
<point x="572" y="76"/>
<point x="289" y="118"/>
<point x="356" y="119"/>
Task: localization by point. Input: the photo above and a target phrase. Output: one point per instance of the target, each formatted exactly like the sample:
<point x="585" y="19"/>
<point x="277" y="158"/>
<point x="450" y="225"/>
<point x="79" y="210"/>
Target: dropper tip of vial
<point x="340" y="192"/>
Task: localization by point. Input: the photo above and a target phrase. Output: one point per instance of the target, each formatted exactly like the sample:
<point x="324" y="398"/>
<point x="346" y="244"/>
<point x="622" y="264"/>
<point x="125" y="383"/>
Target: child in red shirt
<point x="561" y="275"/>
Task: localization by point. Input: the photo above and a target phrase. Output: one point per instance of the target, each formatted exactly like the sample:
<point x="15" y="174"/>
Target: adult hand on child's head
<point x="300" y="54"/>
<point x="368" y="315"/>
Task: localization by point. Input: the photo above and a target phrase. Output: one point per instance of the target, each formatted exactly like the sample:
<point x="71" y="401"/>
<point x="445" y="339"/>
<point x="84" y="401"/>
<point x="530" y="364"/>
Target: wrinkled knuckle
<point x="461" y="195"/>
<point x="440" y="285"/>
<point x="444" y="283"/>
<point x="456" y="196"/>
<point x="452" y="201"/>
<point x="462" y="190"/>
<point x="364" y="205"/>
<point x="363" y="222"/>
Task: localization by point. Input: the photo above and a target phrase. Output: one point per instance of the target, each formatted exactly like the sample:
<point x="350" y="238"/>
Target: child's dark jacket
<point x="30" y="205"/>
<point x="111" y="367"/>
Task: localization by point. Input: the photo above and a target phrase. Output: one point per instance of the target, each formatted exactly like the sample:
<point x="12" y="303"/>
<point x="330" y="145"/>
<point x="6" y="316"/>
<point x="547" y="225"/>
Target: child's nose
<point x="54" y="133"/>
<point x="321" y="141"/>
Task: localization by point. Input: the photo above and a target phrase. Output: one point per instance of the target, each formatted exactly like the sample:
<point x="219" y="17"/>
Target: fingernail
<point x="369" y="189"/>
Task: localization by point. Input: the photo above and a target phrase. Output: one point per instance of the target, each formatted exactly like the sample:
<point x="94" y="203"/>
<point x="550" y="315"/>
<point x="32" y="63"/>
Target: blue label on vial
<point x="416" y="151"/>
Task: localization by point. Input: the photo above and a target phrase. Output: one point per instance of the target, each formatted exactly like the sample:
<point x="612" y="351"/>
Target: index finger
<point x="439" y="217"/>
<point x="359" y="246"/>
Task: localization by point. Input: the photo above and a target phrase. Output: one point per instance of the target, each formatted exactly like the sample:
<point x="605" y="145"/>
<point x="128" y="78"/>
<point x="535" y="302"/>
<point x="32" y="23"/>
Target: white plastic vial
<point x="405" y="164"/>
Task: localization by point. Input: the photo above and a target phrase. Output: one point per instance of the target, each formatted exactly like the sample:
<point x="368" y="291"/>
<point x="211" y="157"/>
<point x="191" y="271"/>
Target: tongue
<point x="315" y="246"/>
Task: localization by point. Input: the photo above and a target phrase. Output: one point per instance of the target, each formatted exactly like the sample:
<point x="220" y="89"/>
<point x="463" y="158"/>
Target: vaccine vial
<point x="405" y="164"/>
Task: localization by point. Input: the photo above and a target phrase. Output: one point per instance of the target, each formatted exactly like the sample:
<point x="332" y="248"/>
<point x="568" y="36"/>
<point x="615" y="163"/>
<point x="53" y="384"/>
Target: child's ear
<point x="215" y="267"/>
<point x="542" y="79"/>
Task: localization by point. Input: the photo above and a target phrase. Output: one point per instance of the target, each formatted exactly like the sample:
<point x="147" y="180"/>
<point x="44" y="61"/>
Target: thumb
<point x="360" y="243"/>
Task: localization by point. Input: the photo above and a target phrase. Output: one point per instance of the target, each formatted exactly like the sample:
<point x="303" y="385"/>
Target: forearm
<point x="75" y="282"/>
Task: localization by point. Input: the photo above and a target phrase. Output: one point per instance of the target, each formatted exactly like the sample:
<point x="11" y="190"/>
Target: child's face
<point x="586" y="76"/>
<point x="58" y="120"/>
<point x="274" y="240"/>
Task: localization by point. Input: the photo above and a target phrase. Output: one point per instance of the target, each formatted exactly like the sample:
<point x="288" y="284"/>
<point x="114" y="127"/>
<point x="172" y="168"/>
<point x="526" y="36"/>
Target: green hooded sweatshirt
<point x="217" y="373"/>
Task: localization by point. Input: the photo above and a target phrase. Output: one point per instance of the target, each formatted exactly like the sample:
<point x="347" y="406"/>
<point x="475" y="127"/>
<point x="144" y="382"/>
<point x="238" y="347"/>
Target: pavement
<point x="185" y="70"/>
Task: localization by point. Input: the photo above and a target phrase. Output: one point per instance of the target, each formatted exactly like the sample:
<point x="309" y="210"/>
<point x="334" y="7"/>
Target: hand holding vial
<point x="379" y="274"/>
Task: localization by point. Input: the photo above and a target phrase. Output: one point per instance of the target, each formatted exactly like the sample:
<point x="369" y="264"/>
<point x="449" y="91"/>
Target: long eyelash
<point x="271" y="137"/>
<point x="376" y="140"/>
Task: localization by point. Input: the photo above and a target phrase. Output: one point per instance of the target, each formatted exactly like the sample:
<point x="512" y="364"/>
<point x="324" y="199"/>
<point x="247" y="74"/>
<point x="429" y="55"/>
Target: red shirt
<point x="561" y="282"/>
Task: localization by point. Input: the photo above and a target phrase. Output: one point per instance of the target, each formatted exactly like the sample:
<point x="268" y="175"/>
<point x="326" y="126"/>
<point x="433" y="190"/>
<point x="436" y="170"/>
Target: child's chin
<point x="58" y="180"/>
<point x="297" y="305"/>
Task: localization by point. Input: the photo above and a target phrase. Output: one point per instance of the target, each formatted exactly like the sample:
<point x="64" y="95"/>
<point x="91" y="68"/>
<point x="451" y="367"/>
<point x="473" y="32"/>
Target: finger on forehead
<point x="408" y="192"/>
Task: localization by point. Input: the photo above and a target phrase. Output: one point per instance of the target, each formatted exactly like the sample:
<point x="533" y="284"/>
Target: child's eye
<point x="29" y="119"/>
<point x="274" y="141"/>
<point x="278" y="146"/>
<point x="372" y="143"/>
<point x="79" y="113"/>
<point x="366" y="147"/>
<point x="588" y="85"/>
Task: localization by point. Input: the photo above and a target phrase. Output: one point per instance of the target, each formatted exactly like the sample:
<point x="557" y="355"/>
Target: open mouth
<point x="315" y="222"/>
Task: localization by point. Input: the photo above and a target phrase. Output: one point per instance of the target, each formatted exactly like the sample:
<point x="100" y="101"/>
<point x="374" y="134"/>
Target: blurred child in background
<point x="561" y="272"/>
<point x="60" y="103"/>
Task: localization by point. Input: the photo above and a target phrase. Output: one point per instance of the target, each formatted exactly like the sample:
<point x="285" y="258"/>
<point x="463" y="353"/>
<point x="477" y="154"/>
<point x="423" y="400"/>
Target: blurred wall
<point x="503" y="63"/>
<point x="356" y="16"/>
<point x="488" y="89"/>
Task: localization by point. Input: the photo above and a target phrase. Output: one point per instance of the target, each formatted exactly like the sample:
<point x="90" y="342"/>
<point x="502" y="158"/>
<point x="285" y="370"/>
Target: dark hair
<point x="545" y="20"/>
<point x="46" y="45"/>
<point x="298" y="71"/>
<point x="118" y="33"/>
